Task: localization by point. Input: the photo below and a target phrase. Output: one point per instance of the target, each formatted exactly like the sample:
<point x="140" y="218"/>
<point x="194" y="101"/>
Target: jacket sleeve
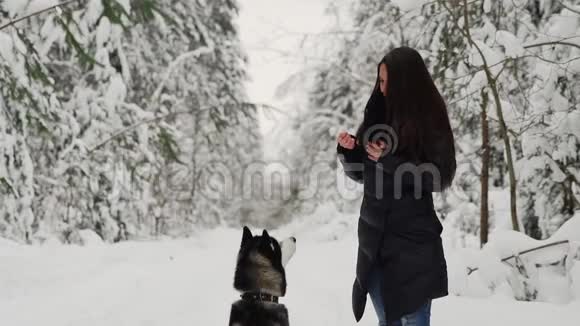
<point x="352" y="161"/>
<point x="400" y="174"/>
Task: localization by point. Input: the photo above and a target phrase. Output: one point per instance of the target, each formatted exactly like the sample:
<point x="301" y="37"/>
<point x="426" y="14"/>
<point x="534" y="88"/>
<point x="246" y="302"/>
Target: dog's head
<point x="261" y="262"/>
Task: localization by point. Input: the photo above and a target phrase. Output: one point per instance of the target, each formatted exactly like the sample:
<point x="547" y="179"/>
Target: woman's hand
<point x="375" y="150"/>
<point x="345" y="140"/>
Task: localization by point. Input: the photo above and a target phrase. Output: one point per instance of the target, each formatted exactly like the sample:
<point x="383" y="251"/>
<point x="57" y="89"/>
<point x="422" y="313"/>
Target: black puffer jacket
<point x="399" y="228"/>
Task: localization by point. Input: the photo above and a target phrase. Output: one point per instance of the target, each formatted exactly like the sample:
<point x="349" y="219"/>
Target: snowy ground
<point x="189" y="282"/>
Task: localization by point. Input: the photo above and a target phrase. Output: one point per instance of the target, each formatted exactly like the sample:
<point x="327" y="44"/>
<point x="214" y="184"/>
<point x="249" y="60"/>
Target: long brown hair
<point x="416" y="112"/>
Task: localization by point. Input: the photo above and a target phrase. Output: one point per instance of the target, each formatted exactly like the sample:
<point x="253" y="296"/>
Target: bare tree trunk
<point x="484" y="208"/>
<point x="194" y="166"/>
<point x="506" y="141"/>
<point x="510" y="163"/>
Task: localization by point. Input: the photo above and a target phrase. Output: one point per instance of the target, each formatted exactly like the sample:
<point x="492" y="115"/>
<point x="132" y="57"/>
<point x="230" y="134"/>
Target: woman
<point x="402" y="152"/>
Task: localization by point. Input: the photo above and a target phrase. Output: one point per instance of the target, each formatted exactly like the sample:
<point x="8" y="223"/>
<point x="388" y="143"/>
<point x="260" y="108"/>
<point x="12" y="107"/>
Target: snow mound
<point x="513" y="264"/>
<point x="569" y="230"/>
<point x="90" y="238"/>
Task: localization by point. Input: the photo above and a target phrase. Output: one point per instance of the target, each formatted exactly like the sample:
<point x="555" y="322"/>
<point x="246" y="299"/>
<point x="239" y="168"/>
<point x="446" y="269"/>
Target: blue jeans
<point x="420" y="317"/>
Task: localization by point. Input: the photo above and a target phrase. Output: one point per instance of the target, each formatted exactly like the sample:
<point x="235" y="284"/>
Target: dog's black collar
<point x="259" y="296"/>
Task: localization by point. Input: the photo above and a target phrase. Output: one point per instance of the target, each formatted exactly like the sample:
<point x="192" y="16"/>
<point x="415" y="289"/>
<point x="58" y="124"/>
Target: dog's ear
<point x="247" y="235"/>
<point x="265" y="235"/>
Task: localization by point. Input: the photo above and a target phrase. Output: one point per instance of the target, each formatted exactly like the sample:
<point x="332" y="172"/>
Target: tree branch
<point x="182" y="57"/>
<point x="17" y="20"/>
<point x="551" y="43"/>
<point x="503" y="260"/>
<point x="568" y="7"/>
<point x="133" y="127"/>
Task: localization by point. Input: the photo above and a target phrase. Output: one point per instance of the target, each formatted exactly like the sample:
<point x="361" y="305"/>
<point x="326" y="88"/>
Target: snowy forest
<point x="129" y="123"/>
<point x="112" y="113"/>
<point x="510" y="73"/>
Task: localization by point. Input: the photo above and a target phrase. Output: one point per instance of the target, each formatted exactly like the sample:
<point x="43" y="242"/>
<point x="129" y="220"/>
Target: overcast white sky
<point x="272" y="31"/>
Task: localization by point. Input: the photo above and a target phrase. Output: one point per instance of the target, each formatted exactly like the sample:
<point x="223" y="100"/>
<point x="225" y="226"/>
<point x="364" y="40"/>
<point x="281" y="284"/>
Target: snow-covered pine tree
<point x="192" y="71"/>
<point x="133" y="96"/>
<point x="550" y="138"/>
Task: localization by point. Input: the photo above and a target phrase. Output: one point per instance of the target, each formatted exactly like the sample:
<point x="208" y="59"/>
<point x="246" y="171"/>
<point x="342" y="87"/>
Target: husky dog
<point x="261" y="279"/>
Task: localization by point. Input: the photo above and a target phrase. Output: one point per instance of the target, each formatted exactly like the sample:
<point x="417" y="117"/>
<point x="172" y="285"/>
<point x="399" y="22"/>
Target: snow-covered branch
<point x="12" y="22"/>
<point x="176" y="62"/>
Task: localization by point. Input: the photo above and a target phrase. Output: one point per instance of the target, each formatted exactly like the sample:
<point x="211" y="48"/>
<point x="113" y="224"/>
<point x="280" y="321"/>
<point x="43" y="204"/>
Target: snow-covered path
<point x="188" y="282"/>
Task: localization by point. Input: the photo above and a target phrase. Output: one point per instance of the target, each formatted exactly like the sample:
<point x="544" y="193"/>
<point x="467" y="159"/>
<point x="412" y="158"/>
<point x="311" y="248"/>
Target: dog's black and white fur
<point x="261" y="279"/>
